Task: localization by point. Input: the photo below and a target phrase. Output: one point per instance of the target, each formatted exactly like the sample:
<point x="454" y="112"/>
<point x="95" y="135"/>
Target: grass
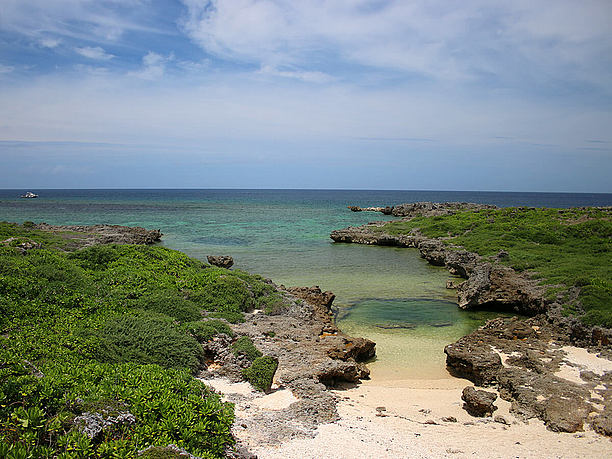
<point x="112" y="326"/>
<point x="565" y="248"/>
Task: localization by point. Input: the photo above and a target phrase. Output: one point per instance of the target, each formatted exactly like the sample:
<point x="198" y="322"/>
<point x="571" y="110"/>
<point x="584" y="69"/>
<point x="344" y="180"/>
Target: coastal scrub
<point x="568" y="249"/>
<point x="98" y="348"/>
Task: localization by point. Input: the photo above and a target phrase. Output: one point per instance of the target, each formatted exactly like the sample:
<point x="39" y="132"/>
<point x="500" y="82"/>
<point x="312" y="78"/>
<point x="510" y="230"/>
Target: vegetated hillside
<point x="98" y="348"/>
<point x="568" y="249"/>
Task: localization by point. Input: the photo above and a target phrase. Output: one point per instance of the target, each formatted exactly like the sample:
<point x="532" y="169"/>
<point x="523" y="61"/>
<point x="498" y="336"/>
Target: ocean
<point x="387" y="294"/>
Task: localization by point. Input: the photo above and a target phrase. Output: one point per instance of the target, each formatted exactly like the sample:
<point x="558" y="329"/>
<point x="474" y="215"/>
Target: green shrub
<point x="147" y="338"/>
<point x="97" y="257"/>
<point x="244" y="346"/>
<point x="230" y="316"/>
<point x="261" y="372"/>
<point x="28" y="224"/>
<point x="224" y="293"/>
<point x="205" y="330"/>
<point x="170" y="303"/>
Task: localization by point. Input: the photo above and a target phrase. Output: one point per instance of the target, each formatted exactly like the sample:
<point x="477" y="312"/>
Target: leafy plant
<point x="261" y="372"/>
<point x="244" y="346"/>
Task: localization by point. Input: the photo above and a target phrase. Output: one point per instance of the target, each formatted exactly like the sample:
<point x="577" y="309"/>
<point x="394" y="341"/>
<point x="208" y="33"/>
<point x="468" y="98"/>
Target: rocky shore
<point x="313" y="356"/>
<point x="533" y="362"/>
<point x="88" y="235"/>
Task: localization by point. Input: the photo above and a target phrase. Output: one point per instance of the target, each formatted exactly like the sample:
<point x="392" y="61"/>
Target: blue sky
<point x="450" y="95"/>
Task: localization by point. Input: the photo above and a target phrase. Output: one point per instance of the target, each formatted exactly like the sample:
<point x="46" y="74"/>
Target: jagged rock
<point x="84" y="236"/>
<point x="334" y="371"/>
<point x="478" y="363"/>
<point x="93" y="424"/>
<point x="313" y="295"/>
<point x="602" y="423"/>
<point x="360" y="349"/>
<point x="478" y="403"/>
<point x="222" y="261"/>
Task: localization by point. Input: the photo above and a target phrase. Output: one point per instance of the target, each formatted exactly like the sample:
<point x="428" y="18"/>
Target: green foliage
<point x="169" y="406"/>
<point x="26" y="231"/>
<point x="261" y="372"/>
<point x="563" y="247"/>
<point x="205" y="330"/>
<point x="147" y="338"/>
<point x="244" y="346"/>
<point x="170" y="303"/>
<point x="225" y="293"/>
<point x="231" y="317"/>
<point x="111" y="326"/>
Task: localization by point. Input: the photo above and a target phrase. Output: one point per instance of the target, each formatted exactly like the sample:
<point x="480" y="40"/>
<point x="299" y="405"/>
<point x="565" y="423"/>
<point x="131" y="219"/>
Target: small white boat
<point x="29" y="194"/>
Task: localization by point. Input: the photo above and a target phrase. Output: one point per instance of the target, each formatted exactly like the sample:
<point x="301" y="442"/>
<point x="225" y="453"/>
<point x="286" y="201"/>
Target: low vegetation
<point x="98" y="348"/>
<point x="568" y="249"/>
<point x="261" y="372"/>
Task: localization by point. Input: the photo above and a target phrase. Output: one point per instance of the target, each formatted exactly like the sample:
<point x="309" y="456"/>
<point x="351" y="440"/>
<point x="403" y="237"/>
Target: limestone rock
<point x="466" y="359"/>
<point x="222" y="261"/>
<point x="478" y="403"/>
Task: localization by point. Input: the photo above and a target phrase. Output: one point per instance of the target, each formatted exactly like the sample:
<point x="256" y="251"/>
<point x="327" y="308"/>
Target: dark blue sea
<point x="284" y="235"/>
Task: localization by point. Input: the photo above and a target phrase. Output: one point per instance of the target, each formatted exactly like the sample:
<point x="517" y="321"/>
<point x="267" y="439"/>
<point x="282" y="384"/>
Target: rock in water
<point x="222" y="261"/>
<point x="478" y="402"/>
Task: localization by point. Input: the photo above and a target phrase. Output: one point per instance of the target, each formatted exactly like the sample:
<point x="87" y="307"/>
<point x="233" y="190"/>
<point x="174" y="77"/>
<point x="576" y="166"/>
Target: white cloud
<point x="95" y="52"/>
<point x="153" y="66"/>
<point x="6" y="69"/>
<point x="437" y="39"/>
<point x="104" y="20"/>
<point x="49" y="42"/>
<point x="306" y="76"/>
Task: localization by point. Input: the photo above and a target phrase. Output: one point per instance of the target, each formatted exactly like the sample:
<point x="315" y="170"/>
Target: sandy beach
<point x="416" y="418"/>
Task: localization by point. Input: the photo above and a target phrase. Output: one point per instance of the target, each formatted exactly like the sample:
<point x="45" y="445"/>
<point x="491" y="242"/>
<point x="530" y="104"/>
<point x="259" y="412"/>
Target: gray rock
<point x="478" y="403"/>
<point x="222" y="261"/>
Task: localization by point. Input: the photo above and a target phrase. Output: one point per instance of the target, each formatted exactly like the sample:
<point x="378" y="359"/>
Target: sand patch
<point x="579" y="359"/>
<point x="417" y="422"/>
<point x="278" y="400"/>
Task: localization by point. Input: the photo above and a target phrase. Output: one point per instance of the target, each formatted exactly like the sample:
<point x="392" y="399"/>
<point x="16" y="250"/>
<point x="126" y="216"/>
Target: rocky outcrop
<point x="312" y="355"/>
<point x="489" y="285"/>
<point x="312" y="295"/>
<point x="222" y="261"/>
<point x="524" y="359"/>
<point x="528" y="361"/>
<point x="478" y="403"/>
<point x="84" y="236"/>
<point x="423" y="209"/>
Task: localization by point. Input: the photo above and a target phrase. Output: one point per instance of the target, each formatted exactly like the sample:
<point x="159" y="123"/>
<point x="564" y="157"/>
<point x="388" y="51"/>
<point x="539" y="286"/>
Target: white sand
<point x="403" y="431"/>
<point x="579" y="359"/>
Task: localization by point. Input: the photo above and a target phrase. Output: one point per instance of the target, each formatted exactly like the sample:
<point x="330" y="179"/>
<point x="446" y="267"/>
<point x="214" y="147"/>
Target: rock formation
<point x="525" y="359"/>
<point x="478" y="403"/>
<point x="84" y="235"/>
<point x="222" y="261"/>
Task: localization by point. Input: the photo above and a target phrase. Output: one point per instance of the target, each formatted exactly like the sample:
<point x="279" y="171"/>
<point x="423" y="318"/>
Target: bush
<point x="261" y="372"/>
<point x="244" y="346"/>
<point x="225" y="293"/>
<point x="148" y="338"/>
<point x="206" y="330"/>
<point x="230" y="316"/>
<point x="97" y="257"/>
<point x="170" y="303"/>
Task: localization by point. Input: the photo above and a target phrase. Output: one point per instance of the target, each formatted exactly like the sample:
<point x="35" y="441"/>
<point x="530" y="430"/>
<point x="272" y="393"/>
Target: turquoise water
<point x="284" y="235"/>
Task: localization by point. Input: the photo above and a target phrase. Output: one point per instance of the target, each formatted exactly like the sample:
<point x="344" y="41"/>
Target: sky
<point x="353" y="94"/>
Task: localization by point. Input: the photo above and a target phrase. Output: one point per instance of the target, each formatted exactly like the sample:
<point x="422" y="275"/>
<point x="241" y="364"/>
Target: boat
<point x="29" y="194"/>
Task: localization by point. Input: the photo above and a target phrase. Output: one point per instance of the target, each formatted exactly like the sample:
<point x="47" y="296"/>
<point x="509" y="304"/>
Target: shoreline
<point x="504" y="353"/>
